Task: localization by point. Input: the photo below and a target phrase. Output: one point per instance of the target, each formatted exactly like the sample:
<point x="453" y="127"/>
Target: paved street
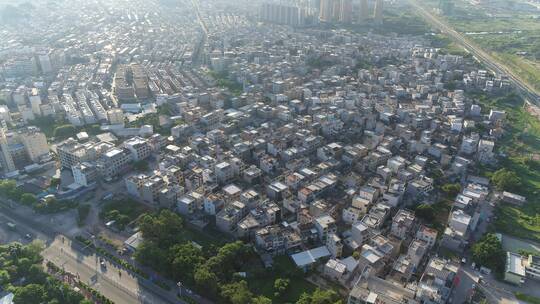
<point x="492" y="290"/>
<point x="122" y="288"/>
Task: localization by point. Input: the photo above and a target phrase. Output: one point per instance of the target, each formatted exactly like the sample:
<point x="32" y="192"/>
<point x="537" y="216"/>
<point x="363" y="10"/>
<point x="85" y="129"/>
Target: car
<point x="28" y="236"/>
<point x="103" y="265"/>
<point x="463" y="261"/>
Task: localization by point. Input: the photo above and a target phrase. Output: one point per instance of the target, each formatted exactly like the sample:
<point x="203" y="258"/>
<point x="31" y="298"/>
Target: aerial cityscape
<point x="269" y="151"/>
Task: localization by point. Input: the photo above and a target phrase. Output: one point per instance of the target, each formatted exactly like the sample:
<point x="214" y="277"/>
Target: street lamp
<point x="179" y="284"/>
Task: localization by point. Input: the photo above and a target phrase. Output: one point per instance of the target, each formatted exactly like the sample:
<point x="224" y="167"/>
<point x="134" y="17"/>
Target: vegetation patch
<point x="122" y="212"/>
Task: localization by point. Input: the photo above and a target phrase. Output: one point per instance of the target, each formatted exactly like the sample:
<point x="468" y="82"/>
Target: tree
<point x="141" y="166"/>
<point x="489" y="252"/>
<point x="425" y="212"/>
<point x="28" y="199"/>
<point x="64" y="131"/>
<point x="319" y="297"/>
<point x="4" y="277"/>
<point x="185" y="259"/>
<point x="280" y="286"/>
<point x="164" y="228"/>
<point x="8" y="188"/>
<point x="505" y="180"/>
<point x="261" y="300"/>
<point x="206" y="280"/>
<point x="451" y="189"/>
<point x="150" y="254"/>
<point x="237" y="293"/>
<point x="31" y="293"/>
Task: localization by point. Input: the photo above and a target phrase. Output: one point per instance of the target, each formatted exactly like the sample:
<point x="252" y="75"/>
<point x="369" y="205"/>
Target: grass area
<point x="261" y="281"/>
<point x="205" y="238"/>
<point x="122" y="211"/>
<point x="520" y="144"/>
<point x="502" y="30"/>
<point x="153" y="120"/>
<point x="449" y="46"/>
<point x="223" y="81"/>
<point x="399" y="20"/>
<point x="62" y="129"/>
<point x="527" y="298"/>
<point x="528" y="70"/>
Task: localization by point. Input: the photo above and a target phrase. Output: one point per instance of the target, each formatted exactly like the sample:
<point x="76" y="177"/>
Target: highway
<point x="524" y="88"/>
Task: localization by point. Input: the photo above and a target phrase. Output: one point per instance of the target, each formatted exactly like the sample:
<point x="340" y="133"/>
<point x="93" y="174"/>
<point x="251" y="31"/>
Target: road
<point x="198" y="54"/>
<point x="524" y="88"/>
<point x="115" y="283"/>
<point x="74" y="259"/>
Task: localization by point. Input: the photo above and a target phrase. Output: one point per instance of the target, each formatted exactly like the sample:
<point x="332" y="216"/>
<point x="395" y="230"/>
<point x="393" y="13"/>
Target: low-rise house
<point x="229" y="216"/>
<point x="402" y="223"/>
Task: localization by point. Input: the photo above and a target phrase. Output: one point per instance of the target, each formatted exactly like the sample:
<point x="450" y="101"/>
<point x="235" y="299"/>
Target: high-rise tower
<point x="364" y="10"/>
<point x="378" y="12"/>
<point x="326" y="11"/>
<point x="345" y="14"/>
<point x="5" y="156"/>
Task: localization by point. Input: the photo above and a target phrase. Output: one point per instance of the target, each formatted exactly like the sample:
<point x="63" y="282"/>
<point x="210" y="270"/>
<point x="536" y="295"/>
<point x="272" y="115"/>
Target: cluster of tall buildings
<point x="336" y="10"/>
<point x="343" y="11"/>
<point x="297" y="13"/>
<point x="130" y="82"/>
<point x="283" y="13"/>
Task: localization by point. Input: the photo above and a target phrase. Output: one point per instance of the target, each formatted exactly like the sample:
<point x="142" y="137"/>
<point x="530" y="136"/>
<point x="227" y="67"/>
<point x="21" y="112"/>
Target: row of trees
<point x="9" y="189"/>
<point x="213" y="272"/>
<point x="20" y="263"/>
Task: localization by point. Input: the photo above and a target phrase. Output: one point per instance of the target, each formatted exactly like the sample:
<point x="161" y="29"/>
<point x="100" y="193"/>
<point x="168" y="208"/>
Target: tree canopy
<point x="506" y="180"/>
<point x="451" y="189"/>
<point x="19" y="261"/>
<point x="488" y="252"/>
<point x="425" y="212"/>
<point x="64" y="131"/>
<point x="320" y="297"/>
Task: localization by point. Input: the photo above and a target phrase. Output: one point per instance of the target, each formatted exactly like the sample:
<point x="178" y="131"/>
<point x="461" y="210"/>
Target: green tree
<point x="206" y="280"/>
<point x="280" y="286"/>
<point x="150" y="254"/>
<point x="451" y="189"/>
<point x="164" y="228"/>
<point x="28" y="199"/>
<point x="237" y="293"/>
<point x="185" y="259"/>
<point x="8" y="188"/>
<point x="31" y="293"/>
<point x="4" y="277"/>
<point x="261" y="300"/>
<point x="505" y="180"/>
<point x="488" y="252"/>
<point x="425" y="212"/>
<point x="140" y="166"/>
<point x="64" y="131"/>
<point x="320" y="297"/>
